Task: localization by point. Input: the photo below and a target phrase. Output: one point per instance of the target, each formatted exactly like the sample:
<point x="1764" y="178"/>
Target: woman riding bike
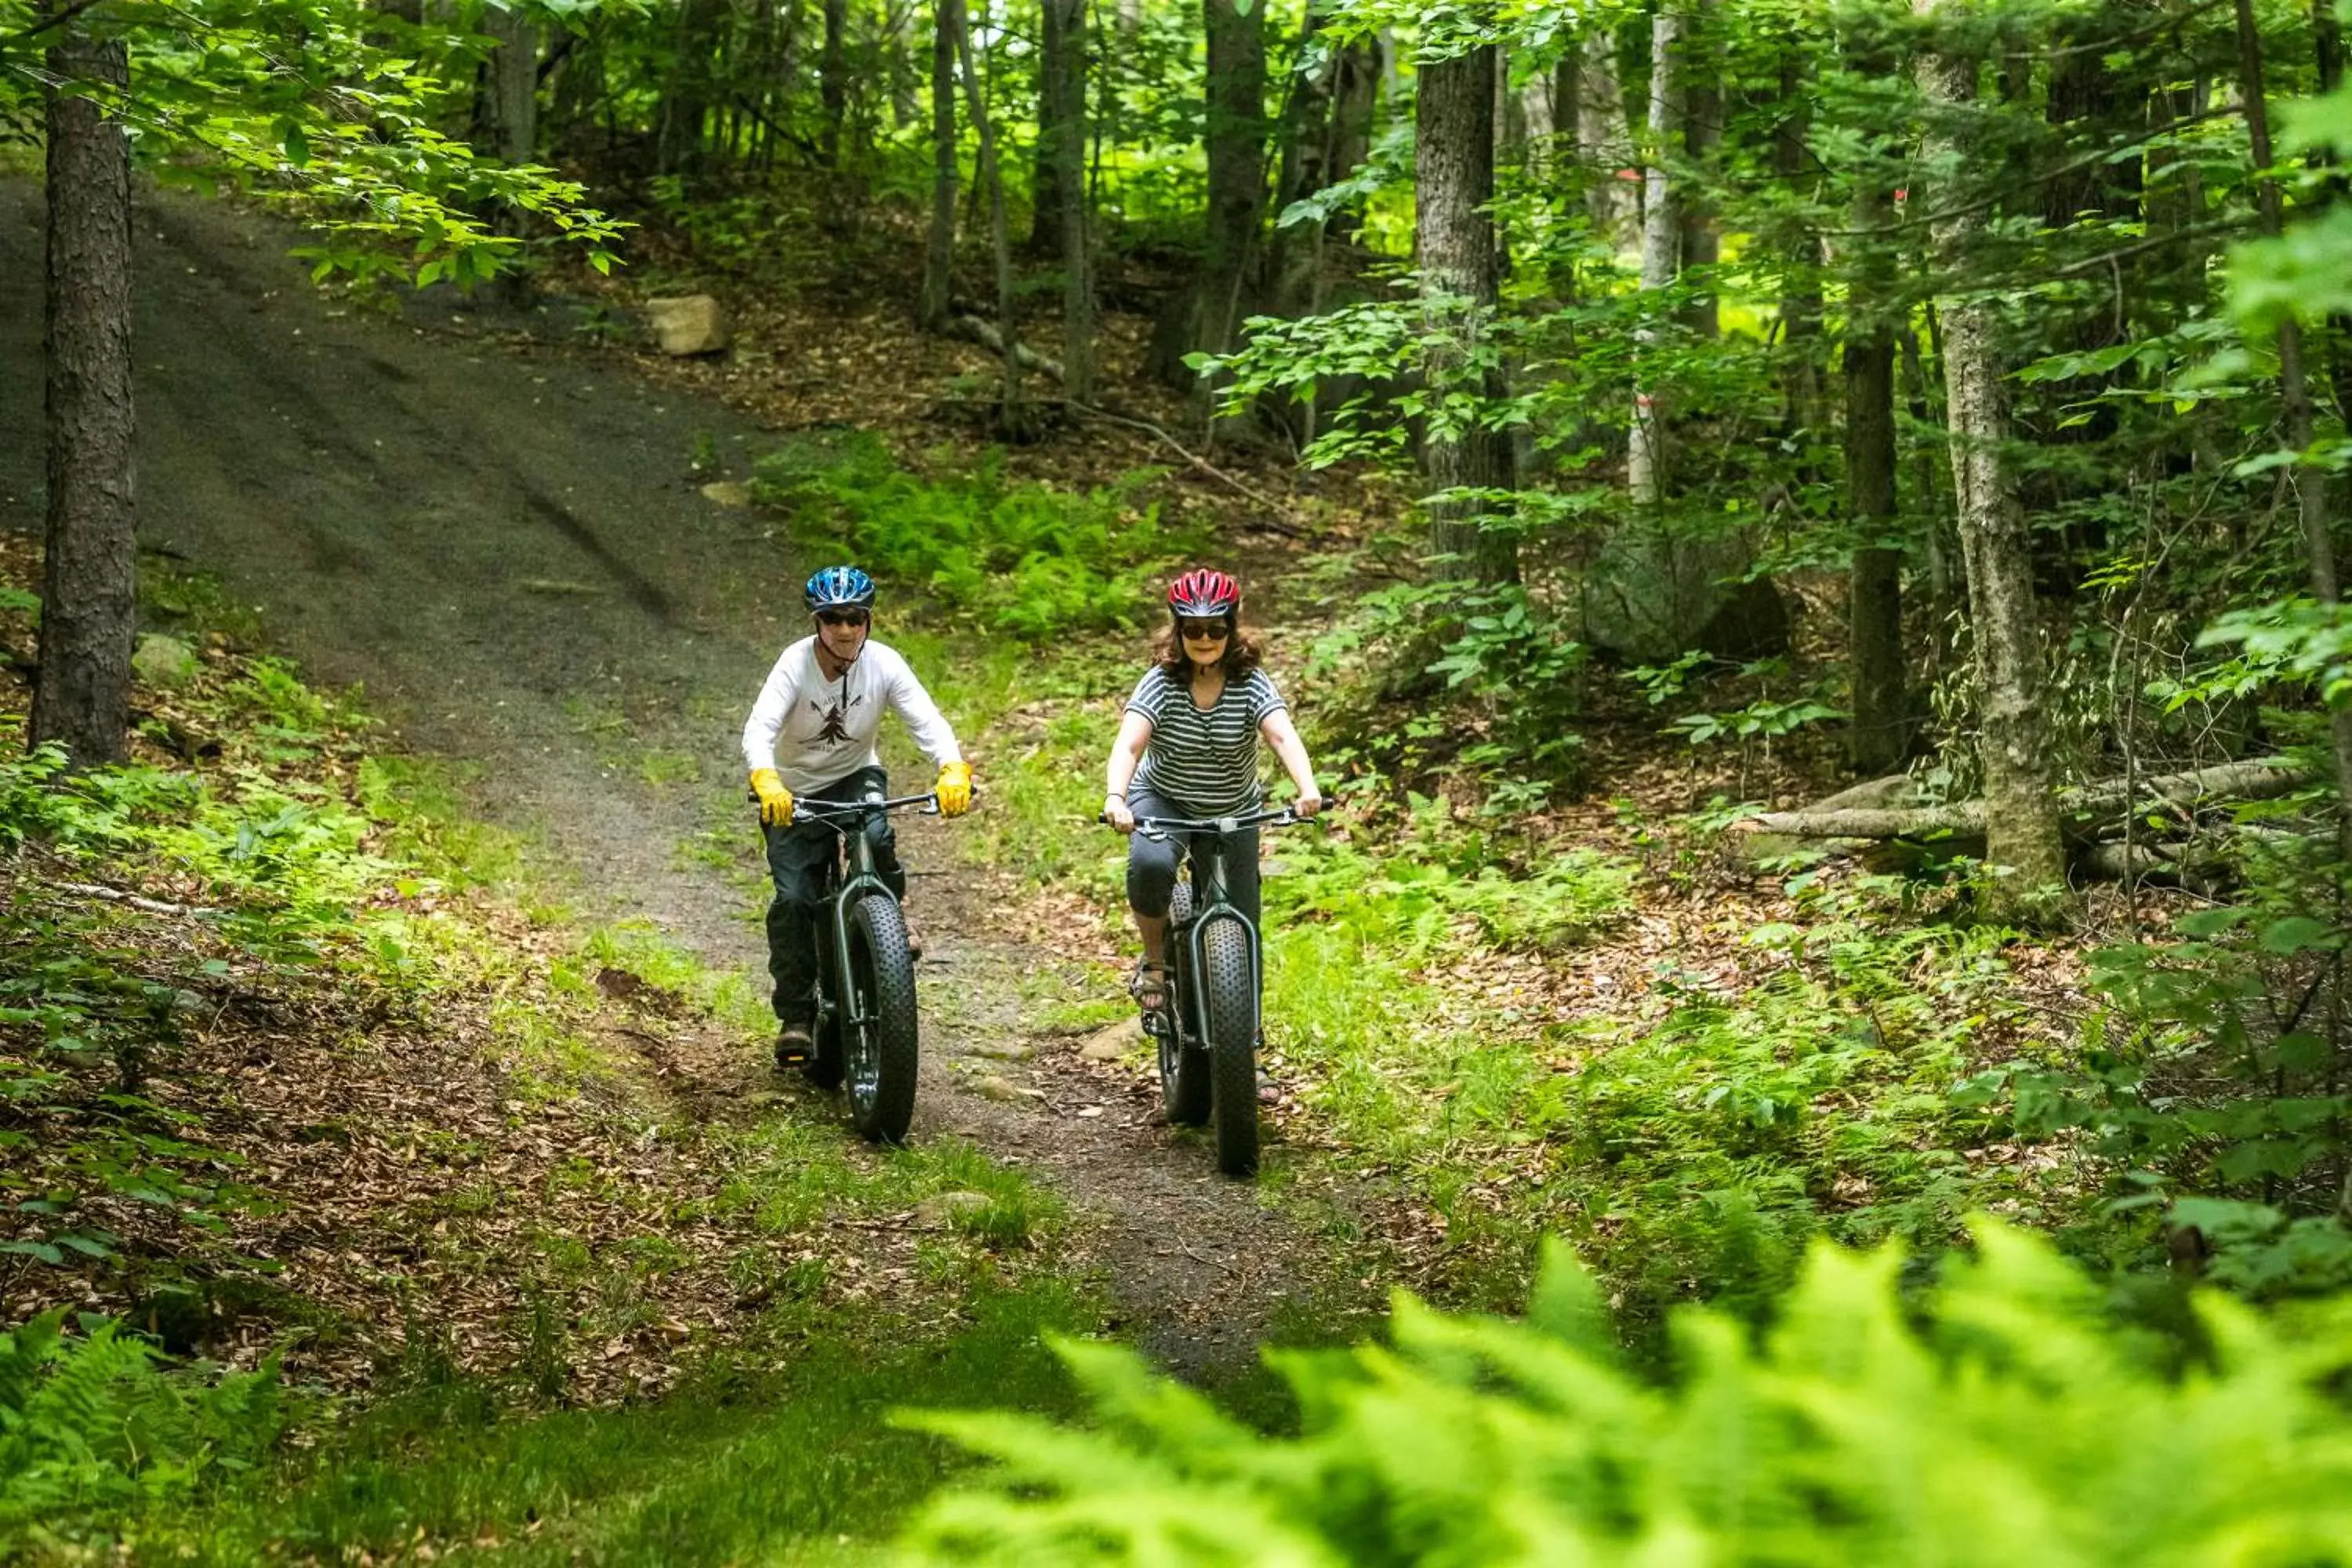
<point x="1188" y="747"/>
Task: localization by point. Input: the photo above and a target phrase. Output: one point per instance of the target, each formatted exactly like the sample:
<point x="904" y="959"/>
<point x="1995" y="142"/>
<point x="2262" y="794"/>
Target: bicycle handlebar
<point x="1161" y="826"/>
<point x="815" y="809"/>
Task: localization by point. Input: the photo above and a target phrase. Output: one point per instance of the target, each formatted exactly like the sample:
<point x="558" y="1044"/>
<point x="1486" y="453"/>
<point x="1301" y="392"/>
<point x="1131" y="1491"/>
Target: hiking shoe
<point x="796" y="1043"/>
<point x="914" y="937"/>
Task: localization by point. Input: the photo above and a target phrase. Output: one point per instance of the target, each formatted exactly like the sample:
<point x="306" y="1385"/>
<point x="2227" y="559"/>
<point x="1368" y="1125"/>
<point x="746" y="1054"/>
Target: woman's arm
<point x="1126" y="754"/>
<point x="1283" y="736"/>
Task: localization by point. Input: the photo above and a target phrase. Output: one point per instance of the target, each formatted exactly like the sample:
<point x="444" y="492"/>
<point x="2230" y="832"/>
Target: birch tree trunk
<point x="2020" y="785"/>
<point x="1662" y="234"/>
<point x="81" y="697"/>
<point x="939" y="255"/>
<point x="1453" y="179"/>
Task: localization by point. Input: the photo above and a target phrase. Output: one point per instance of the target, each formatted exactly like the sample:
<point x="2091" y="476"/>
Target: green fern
<point x="2018" y="1427"/>
<point x="91" y="1426"/>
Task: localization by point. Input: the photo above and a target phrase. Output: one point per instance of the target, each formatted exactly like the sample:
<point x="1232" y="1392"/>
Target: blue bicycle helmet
<point x="838" y="588"/>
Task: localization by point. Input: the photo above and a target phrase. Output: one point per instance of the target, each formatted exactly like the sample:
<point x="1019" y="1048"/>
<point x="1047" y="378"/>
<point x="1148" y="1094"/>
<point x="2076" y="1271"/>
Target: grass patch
<point x="747" y="1462"/>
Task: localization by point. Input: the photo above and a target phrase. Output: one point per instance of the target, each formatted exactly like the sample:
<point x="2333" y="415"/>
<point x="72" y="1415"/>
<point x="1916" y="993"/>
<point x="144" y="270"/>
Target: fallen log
<point x="2194" y="866"/>
<point x="985" y="334"/>
<point x="2228" y="781"/>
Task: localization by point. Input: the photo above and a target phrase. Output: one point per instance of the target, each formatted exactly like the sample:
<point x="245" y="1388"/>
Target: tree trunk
<point x="81" y="697"/>
<point x="1295" y="254"/>
<point x="1453" y="179"/>
<point x="1604" y="143"/>
<point x="833" y="80"/>
<point x="2294" y="395"/>
<point x="939" y="255"/>
<point x="686" y="98"/>
<point x="1046" y="170"/>
<point x="514" y="103"/>
<point x="1702" y="93"/>
<point x="906" y="109"/>
<point x="989" y="176"/>
<point x="1355" y="100"/>
<point x="1236" y="150"/>
<point x="1662" y="235"/>
<point x="1070" y="172"/>
<point x="1880" y="733"/>
<point x="2021" y="832"/>
<point x="1800" y="293"/>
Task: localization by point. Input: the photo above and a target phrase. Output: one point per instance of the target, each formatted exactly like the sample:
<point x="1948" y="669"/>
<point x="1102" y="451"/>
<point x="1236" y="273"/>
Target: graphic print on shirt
<point x="836" y="731"/>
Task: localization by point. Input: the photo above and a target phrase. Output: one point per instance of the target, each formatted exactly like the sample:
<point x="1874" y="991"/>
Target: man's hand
<point x="1115" y="809"/>
<point x="775" y="800"/>
<point x="953" y="787"/>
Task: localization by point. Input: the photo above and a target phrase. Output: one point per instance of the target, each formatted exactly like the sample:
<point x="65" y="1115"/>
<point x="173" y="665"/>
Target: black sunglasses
<point x="842" y="617"/>
<point x="1203" y="629"/>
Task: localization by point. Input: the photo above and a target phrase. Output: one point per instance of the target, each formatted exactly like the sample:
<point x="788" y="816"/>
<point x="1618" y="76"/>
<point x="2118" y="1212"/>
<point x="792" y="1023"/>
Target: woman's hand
<point x="1309" y="803"/>
<point x="1115" y="808"/>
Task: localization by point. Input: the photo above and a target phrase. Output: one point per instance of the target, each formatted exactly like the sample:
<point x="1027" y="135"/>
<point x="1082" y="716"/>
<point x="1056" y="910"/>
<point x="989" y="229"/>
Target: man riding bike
<point x="811" y="737"/>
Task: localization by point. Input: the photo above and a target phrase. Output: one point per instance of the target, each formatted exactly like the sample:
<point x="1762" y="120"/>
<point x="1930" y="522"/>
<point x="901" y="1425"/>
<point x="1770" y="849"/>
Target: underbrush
<point x="1009" y="556"/>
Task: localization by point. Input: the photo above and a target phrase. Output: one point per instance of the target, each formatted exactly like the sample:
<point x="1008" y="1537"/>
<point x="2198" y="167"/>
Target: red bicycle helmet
<point x="1203" y="592"/>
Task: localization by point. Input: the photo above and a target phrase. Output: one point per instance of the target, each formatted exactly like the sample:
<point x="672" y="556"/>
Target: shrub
<point x="2020" y="1426"/>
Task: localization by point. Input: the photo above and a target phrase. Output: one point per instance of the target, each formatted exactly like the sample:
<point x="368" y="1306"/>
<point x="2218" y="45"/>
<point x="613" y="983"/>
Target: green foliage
<point x="92" y="1427"/>
<point x="2017" y="1426"/>
<point x="1422" y="886"/>
<point x="1492" y="679"/>
<point x="332" y="111"/>
<point x="1016" y="557"/>
<point x="2209" y="1091"/>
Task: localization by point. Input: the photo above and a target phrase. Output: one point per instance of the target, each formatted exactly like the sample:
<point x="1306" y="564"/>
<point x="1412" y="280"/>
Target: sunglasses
<point x="1206" y="631"/>
<point x="842" y="617"/>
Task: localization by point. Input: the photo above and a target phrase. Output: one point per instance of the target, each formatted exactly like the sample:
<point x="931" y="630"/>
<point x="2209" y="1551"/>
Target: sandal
<point x="1150" y="986"/>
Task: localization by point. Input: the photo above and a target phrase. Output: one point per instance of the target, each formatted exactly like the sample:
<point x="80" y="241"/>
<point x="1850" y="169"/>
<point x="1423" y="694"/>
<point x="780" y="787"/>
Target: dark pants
<point x="801" y="858"/>
<point x="1151" y="863"/>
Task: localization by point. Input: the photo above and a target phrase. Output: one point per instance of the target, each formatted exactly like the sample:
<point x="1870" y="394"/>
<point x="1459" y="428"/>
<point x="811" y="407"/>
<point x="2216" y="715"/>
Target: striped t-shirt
<point x="1202" y="761"/>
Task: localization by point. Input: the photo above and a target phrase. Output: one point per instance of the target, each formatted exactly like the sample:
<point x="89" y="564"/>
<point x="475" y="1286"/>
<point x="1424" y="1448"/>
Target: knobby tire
<point x="1231" y="993"/>
<point x="881" y="984"/>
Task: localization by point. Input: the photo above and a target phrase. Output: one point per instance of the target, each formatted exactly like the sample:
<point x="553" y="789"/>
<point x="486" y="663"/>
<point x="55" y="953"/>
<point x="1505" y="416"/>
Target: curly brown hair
<point x="1242" y="653"/>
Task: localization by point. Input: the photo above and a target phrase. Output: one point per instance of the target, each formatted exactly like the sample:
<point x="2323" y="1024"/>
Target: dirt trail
<point x="501" y="537"/>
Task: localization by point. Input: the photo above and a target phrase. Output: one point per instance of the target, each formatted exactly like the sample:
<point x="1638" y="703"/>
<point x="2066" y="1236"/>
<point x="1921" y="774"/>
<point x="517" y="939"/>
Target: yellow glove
<point x="953" y="788"/>
<point x="775" y="800"/>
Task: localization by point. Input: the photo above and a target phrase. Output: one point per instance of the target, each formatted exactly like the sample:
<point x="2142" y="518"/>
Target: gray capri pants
<point x="1151" y="863"/>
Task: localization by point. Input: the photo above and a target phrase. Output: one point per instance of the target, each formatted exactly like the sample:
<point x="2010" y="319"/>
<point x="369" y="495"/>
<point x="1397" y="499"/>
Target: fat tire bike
<point x="1206" y="1027"/>
<point x="865" y="1033"/>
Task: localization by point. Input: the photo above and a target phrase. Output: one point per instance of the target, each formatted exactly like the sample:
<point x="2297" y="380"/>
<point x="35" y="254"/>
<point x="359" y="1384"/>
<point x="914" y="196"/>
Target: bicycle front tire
<point x="880" y="1053"/>
<point x="1229" y="983"/>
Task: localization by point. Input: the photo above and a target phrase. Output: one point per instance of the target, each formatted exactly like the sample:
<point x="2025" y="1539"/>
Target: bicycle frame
<point x="1209" y="858"/>
<point x="862" y="882"/>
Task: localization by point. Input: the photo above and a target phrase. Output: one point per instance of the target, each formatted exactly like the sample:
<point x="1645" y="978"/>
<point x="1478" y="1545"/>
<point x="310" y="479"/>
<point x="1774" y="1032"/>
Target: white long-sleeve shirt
<point x="814" y="732"/>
